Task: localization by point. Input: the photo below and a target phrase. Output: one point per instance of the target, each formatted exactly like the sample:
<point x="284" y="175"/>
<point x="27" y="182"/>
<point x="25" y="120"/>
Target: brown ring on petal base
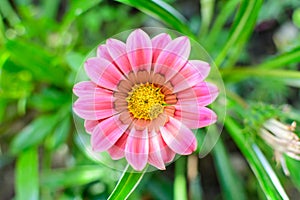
<point x="148" y="100"/>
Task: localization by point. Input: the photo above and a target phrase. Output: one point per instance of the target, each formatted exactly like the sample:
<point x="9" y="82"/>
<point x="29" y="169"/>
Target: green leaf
<point x="207" y="10"/>
<point x="225" y="12"/>
<point x="77" y="8"/>
<point x="33" y="134"/>
<point x="230" y="182"/>
<point x="293" y="167"/>
<point x="180" y="192"/>
<point x="261" y="168"/>
<point x="238" y="74"/>
<point x="126" y="185"/>
<point x="27" y="183"/>
<point x="9" y="13"/>
<point x="282" y="60"/>
<point x="240" y="32"/>
<point x="49" y="99"/>
<point x="60" y="133"/>
<point x="50" y="8"/>
<point x="34" y="59"/>
<point x="162" y="11"/>
<point x="74" y="60"/>
<point x="76" y="176"/>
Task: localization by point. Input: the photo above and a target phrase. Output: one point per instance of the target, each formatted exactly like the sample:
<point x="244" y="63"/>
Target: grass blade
<point x="180" y="192"/>
<point x="226" y="11"/>
<point x="230" y="183"/>
<point x="80" y="175"/>
<point x="27" y="184"/>
<point x="34" y="59"/>
<point x="238" y="74"/>
<point x="282" y="60"/>
<point x="162" y="11"/>
<point x="240" y="32"/>
<point x="207" y="10"/>
<point x="126" y="185"/>
<point x="33" y="134"/>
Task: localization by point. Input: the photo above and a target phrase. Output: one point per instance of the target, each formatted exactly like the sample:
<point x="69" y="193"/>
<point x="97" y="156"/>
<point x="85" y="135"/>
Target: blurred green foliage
<point x="42" y="45"/>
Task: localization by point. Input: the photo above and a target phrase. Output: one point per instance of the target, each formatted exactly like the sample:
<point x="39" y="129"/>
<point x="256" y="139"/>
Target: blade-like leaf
<point x="34" y="59"/>
<point x="238" y="74"/>
<point x="265" y="175"/>
<point x="226" y="11"/>
<point x="241" y="29"/>
<point x="63" y="178"/>
<point x="162" y="11"/>
<point x="207" y="10"/>
<point x="77" y="8"/>
<point x="60" y="133"/>
<point x="282" y="60"/>
<point x="180" y="192"/>
<point x="126" y="185"/>
<point x="33" y="134"/>
<point x="230" y="183"/>
<point x="27" y="183"/>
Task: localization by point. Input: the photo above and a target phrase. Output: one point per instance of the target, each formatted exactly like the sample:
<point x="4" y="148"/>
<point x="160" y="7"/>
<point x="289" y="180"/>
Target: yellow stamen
<point x="146" y="101"/>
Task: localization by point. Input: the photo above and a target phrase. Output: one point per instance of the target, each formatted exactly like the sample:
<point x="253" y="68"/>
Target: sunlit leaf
<point x="27" y="181"/>
<point x="282" y="60"/>
<point x="126" y="185"/>
<point x="33" y="134"/>
<point x="229" y="180"/>
<point x="240" y="31"/>
<point x="80" y="175"/>
<point x="60" y="133"/>
<point x="34" y="59"/>
<point x="163" y="12"/>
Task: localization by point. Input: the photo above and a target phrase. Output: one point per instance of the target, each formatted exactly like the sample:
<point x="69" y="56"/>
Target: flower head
<point x="282" y="139"/>
<point x="143" y="98"/>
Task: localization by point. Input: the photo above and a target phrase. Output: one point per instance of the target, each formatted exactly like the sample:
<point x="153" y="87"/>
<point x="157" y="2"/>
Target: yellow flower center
<point x="146" y="101"/>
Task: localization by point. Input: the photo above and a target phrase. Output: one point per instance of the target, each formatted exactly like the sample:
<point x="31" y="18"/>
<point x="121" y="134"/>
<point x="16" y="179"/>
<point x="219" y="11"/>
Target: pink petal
<point x="195" y="71"/>
<point x="159" y="42"/>
<point x="117" y="50"/>
<point x="155" y="151"/>
<point x="102" y="52"/>
<point x="194" y="116"/>
<point x="117" y="151"/>
<point x="107" y="133"/>
<point x="90" y="125"/>
<point x="139" y="50"/>
<point x="178" y="137"/>
<point x="137" y="149"/>
<point x="94" y="107"/>
<point x="88" y="88"/>
<point x="173" y="57"/>
<point x="201" y="94"/>
<point x="103" y="73"/>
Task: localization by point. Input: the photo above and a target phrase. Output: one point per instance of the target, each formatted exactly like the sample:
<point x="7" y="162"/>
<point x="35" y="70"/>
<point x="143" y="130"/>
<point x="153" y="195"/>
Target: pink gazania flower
<point x="144" y="98"/>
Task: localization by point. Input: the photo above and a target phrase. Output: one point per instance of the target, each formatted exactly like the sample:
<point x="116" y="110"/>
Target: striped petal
<point x="102" y="52"/>
<point x="94" y="107"/>
<point x="201" y="94"/>
<point x="159" y="42"/>
<point x="178" y="137"/>
<point x="194" y="72"/>
<point x="117" y="50"/>
<point x="117" y="151"/>
<point x="137" y="149"/>
<point x="139" y="50"/>
<point x="107" y="133"/>
<point x="103" y="73"/>
<point x="173" y="57"/>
